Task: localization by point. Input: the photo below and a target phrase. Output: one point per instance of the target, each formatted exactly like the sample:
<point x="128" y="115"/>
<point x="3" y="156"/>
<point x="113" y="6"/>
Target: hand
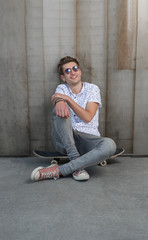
<point x="62" y="109"/>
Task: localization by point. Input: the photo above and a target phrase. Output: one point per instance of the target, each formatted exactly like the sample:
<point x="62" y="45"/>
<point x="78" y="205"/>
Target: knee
<point x="55" y="117"/>
<point x="110" y="145"/>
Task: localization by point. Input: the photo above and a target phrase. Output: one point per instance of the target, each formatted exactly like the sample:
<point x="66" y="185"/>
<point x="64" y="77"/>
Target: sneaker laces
<point x="53" y="174"/>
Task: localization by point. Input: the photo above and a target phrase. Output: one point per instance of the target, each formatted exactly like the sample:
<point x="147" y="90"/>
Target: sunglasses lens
<point x="75" y="68"/>
<point x="67" y="70"/>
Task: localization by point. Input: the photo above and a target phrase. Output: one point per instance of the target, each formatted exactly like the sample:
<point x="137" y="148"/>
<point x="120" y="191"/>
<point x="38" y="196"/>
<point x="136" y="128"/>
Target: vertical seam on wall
<point x="76" y="30"/>
<point x="60" y="46"/>
<point x="44" y="82"/>
<point x="106" y="36"/>
<point x="27" y="80"/>
<point x="134" y="87"/>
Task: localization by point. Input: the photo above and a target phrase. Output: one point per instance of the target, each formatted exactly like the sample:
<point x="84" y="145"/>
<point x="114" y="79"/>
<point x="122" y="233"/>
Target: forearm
<point x="85" y="114"/>
<point x="82" y="113"/>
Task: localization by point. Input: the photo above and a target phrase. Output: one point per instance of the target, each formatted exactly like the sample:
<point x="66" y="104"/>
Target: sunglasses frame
<point x="69" y="70"/>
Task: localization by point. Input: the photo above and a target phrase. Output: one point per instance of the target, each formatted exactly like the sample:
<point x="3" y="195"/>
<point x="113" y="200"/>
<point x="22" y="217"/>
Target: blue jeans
<point x="84" y="150"/>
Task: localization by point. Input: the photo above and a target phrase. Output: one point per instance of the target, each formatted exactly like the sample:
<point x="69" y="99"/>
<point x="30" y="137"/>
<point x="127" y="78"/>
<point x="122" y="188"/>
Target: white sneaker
<point x="80" y="175"/>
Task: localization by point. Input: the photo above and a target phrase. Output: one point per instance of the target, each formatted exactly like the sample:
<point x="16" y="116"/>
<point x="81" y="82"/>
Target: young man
<point x="75" y="125"/>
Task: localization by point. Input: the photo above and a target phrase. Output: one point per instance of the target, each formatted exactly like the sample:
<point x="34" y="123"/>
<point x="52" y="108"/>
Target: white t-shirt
<point x="89" y="93"/>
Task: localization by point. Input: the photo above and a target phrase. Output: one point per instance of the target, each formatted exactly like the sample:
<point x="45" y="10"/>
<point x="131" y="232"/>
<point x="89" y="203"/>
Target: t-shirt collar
<point x="82" y="90"/>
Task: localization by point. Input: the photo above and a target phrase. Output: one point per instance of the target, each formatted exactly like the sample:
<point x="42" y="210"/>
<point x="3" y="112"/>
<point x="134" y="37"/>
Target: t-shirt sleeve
<point x="94" y="95"/>
<point x="60" y="89"/>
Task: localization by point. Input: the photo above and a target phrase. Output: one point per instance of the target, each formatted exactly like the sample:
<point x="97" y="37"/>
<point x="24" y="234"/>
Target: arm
<point x="85" y="114"/>
<point x="61" y="107"/>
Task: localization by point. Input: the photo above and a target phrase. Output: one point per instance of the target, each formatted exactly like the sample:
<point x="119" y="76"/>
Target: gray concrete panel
<point x="141" y="113"/>
<point x="36" y="75"/>
<point x="13" y="82"/>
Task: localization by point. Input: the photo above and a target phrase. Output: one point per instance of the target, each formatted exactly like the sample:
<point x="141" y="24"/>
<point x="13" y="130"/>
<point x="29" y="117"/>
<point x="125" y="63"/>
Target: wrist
<point x="59" y="100"/>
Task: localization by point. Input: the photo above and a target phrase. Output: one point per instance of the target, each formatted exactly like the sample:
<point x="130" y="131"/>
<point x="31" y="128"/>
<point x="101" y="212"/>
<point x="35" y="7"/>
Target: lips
<point x="74" y="77"/>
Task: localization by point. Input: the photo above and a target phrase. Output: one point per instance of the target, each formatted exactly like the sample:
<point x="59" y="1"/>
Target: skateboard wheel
<point x="103" y="164"/>
<point x="54" y="162"/>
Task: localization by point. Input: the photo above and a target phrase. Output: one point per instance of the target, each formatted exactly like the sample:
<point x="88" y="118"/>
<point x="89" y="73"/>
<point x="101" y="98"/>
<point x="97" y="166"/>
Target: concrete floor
<point x="112" y="205"/>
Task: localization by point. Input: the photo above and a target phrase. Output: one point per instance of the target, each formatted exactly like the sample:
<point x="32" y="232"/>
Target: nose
<point x="72" y="71"/>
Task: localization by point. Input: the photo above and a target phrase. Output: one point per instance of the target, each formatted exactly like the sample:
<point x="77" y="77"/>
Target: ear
<point x="63" y="78"/>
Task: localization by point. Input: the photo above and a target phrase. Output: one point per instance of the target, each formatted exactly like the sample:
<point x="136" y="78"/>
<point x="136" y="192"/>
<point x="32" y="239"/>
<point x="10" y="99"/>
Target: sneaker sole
<point x="80" y="179"/>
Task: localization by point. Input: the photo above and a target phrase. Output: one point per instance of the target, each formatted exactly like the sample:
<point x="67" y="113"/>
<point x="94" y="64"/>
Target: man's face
<point x="71" y="74"/>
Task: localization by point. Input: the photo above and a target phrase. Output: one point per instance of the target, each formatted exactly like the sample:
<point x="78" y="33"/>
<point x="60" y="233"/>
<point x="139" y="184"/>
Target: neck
<point x="77" y="88"/>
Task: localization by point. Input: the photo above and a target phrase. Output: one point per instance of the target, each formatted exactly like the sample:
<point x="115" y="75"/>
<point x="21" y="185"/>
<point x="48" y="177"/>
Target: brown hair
<point x="65" y="60"/>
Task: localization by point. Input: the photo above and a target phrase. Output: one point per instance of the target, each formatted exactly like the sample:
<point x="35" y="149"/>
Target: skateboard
<point x="55" y="156"/>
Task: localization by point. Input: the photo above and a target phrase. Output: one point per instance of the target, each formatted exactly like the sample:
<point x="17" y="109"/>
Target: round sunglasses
<point x="69" y="70"/>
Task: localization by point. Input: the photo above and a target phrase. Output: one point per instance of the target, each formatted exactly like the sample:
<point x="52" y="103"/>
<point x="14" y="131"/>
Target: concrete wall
<point x="34" y="35"/>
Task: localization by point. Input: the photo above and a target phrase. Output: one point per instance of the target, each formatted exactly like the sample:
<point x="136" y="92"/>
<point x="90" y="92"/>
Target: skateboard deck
<point x="50" y="155"/>
<point x="55" y="156"/>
